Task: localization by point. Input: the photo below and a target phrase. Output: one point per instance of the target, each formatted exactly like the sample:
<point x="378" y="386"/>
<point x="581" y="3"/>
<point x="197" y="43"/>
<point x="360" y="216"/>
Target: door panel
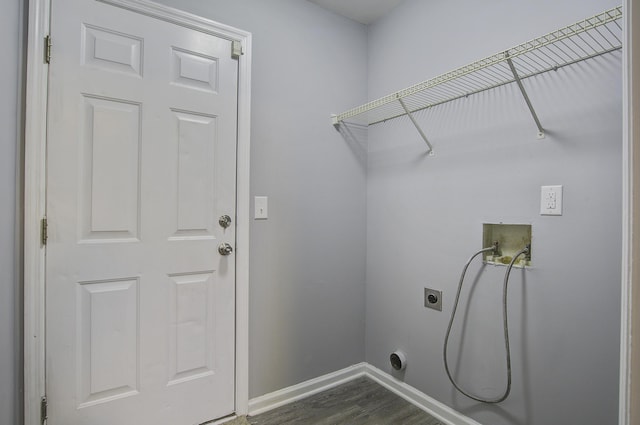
<point x="195" y="179"/>
<point x="111" y="140"/>
<point x="141" y="157"/>
<point x="107" y="340"/>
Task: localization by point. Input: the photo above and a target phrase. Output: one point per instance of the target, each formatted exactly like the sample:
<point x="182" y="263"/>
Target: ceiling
<point x="363" y="11"/>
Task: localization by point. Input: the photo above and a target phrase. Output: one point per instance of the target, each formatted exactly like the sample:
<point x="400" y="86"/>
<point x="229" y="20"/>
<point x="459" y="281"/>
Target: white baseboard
<point x="304" y="389"/>
<point x="288" y="395"/>
<point x="430" y="405"/>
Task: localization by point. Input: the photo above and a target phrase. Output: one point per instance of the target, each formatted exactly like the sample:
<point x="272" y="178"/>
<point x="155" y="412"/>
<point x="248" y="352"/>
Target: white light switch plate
<point x="551" y="200"/>
<point x="261" y="211"/>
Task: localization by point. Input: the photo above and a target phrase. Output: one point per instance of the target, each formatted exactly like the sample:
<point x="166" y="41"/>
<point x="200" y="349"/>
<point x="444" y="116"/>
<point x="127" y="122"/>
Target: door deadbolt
<point x="224" y="221"/>
<point x="225" y="249"/>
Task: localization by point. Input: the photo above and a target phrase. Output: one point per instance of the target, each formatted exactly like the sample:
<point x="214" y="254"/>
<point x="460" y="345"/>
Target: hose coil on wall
<point x="505" y="324"/>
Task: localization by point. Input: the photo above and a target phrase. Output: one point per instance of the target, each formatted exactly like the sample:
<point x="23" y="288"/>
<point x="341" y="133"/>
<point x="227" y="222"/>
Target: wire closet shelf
<point x="589" y="38"/>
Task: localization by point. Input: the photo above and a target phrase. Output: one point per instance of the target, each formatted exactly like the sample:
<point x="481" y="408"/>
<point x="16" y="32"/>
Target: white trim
<point x="35" y="201"/>
<point x="629" y="220"/>
<point x="305" y="389"/>
<point x="243" y="219"/>
<point x="181" y="18"/>
<point x="18" y="268"/>
<point x="34" y="209"/>
<point x="430" y="405"/>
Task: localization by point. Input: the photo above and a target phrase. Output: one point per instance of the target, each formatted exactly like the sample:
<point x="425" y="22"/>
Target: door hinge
<point x="43" y="231"/>
<point x="47" y="49"/>
<point x="236" y="49"/>
<point x="43" y="409"/>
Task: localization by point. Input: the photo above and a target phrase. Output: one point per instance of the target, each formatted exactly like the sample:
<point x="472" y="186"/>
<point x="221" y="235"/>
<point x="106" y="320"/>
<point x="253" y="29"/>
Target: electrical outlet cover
<point x="551" y="200"/>
<point x="433" y="299"/>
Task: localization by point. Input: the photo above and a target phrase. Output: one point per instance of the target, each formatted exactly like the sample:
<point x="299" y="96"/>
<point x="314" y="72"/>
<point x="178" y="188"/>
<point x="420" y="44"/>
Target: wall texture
<point x="10" y="352"/>
<point x="307" y="260"/>
<point x="425" y="216"/>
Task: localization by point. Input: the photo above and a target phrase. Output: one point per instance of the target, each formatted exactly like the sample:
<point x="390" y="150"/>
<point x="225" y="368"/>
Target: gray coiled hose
<point x="504" y="322"/>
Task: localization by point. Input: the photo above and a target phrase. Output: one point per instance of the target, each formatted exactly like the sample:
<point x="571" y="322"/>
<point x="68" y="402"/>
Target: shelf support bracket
<point x="415" y="123"/>
<point x="526" y="97"/>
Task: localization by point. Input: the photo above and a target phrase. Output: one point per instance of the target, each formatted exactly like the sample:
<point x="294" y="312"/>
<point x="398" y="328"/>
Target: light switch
<point x="260" y="208"/>
<point x="551" y="200"/>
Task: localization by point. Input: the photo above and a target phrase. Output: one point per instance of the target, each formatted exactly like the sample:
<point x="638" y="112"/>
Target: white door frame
<point x="629" y="402"/>
<point x="35" y="194"/>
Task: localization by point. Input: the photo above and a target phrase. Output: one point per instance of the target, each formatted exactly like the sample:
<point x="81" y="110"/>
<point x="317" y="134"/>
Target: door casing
<point x="35" y="194"/>
<point x="629" y="394"/>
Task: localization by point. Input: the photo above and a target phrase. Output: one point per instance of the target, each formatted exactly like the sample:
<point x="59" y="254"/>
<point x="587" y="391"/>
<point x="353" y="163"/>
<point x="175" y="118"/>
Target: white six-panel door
<point x="141" y="163"/>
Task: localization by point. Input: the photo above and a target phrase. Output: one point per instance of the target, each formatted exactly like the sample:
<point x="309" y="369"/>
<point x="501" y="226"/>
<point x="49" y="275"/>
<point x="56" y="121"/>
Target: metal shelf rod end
<point x="334" y="121"/>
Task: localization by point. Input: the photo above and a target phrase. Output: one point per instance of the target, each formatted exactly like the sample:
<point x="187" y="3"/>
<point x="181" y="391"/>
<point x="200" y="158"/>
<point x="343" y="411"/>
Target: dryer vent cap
<point x="398" y="360"/>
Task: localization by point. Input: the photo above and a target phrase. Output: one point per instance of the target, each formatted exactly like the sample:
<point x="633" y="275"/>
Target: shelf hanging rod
<point x="524" y="94"/>
<point x="415" y="123"/>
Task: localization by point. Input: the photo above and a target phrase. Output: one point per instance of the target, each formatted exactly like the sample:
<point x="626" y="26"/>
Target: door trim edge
<point x="34" y="210"/>
<point x="35" y="194"/>
<point x="629" y="384"/>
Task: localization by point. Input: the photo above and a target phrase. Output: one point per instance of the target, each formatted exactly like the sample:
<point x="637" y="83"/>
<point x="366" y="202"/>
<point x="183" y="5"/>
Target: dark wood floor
<point x="359" y="402"/>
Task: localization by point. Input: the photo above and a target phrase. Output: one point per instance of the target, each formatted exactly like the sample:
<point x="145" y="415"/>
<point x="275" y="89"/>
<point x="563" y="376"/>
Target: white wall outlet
<point x="551" y="200"/>
<point x="260" y="204"/>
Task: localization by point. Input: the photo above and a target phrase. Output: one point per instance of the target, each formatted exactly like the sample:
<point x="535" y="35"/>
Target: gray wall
<point x="10" y="352"/>
<point x="425" y="216"/>
<point x="307" y="260"/>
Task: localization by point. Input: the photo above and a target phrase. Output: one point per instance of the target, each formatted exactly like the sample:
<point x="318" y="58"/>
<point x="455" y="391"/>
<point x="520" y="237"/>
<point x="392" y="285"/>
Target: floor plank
<point x="358" y="402"/>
